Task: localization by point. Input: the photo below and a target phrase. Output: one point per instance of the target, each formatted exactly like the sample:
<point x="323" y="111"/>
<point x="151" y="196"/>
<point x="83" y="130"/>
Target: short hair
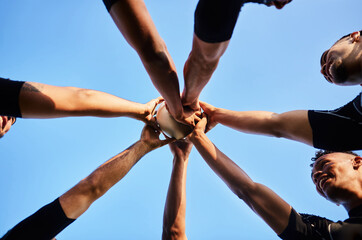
<point x="321" y="153"/>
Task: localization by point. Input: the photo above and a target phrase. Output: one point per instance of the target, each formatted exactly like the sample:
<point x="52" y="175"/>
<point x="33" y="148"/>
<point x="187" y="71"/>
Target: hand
<point x="209" y="110"/>
<point x="150" y="110"/>
<point x="279" y="4"/>
<point x="181" y="148"/>
<point x="199" y="128"/>
<point x="150" y="136"/>
<point x="188" y="116"/>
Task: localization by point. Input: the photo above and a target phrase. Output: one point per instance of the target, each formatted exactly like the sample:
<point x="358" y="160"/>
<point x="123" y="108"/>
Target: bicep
<point x="295" y="125"/>
<point x="39" y="100"/>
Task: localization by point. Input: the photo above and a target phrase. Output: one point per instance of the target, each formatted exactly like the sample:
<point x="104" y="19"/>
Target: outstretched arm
<point x="135" y="23"/>
<point x="54" y="217"/>
<point x="78" y="199"/>
<point x="39" y="100"/>
<point x="292" y="125"/>
<point x="263" y="201"/>
<point x="175" y="207"/>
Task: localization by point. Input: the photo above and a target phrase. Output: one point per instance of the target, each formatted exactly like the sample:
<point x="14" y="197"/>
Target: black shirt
<point x="9" y="97"/>
<point x="311" y="227"/>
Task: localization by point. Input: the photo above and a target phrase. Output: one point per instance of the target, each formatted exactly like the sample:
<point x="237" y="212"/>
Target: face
<point x="334" y="174"/>
<point x="346" y="52"/>
<point x="5" y="124"/>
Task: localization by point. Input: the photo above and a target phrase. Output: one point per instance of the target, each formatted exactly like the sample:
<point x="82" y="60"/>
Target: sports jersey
<point x="338" y="129"/>
<point x="311" y="227"/>
<point x="44" y="224"/>
<point x="9" y="97"/>
<point x="215" y="19"/>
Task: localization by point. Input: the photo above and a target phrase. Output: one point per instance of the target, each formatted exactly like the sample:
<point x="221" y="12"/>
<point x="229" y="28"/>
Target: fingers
<point x="206" y="107"/>
<point x="202" y="123"/>
<point x="167" y="141"/>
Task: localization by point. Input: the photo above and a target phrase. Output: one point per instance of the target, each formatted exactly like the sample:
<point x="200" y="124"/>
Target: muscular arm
<point x="263" y="201"/>
<point x="292" y="125"/>
<point x="137" y="27"/>
<point x="78" y="199"/>
<point x="39" y="100"/>
<point x="175" y="207"/>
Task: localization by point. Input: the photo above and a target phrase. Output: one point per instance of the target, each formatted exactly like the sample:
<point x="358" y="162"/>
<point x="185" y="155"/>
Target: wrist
<point x="144" y="147"/>
<point x="196" y="135"/>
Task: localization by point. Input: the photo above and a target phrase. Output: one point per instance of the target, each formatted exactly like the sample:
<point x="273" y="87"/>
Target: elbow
<point x="91" y="189"/>
<point x="155" y="55"/>
<point x="276" y="126"/>
<point x="173" y="234"/>
<point x="244" y="191"/>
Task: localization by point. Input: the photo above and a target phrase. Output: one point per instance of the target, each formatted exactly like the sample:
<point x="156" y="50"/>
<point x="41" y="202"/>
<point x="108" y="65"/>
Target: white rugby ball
<point x="169" y="125"/>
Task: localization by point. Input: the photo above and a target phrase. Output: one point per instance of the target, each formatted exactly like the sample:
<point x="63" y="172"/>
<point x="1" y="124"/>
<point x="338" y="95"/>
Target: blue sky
<point x="272" y="64"/>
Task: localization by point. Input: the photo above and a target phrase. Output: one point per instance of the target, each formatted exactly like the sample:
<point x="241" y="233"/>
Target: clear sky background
<point x="272" y="64"/>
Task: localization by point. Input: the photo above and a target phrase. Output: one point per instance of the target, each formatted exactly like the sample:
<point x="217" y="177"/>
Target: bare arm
<point x="78" y="199"/>
<point x="175" y="207"/>
<point x="263" y="201"/>
<point x="39" y="100"/>
<point x="292" y="125"/>
<point x="135" y="23"/>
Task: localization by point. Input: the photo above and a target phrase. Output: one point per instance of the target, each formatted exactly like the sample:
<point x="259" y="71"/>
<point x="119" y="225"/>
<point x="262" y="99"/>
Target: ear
<point x="357" y="162"/>
<point x="356" y="36"/>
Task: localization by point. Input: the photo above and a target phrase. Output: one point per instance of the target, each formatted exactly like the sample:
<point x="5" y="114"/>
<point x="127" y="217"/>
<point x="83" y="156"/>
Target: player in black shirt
<point x="51" y="219"/>
<point x="337" y="176"/>
<point x="214" y="25"/>
<point x="322" y="129"/>
<point x="37" y="100"/>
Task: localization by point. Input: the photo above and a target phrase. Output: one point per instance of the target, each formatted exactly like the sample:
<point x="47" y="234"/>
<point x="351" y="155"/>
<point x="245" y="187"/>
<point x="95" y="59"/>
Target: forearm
<point x="263" y="201"/>
<point x="292" y="125"/>
<point x="46" y="101"/>
<point x="175" y="207"/>
<point x="256" y="122"/>
<point x="225" y="168"/>
<point x="77" y="200"/>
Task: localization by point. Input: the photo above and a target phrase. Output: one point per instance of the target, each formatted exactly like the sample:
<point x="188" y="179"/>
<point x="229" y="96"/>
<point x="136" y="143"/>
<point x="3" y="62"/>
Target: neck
<point x="353" y="203"/>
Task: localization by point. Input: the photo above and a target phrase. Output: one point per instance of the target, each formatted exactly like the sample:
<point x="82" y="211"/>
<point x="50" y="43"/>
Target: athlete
<point x="336" y="175"/>
<point x="175" y="207"/>
<point x="332" y="130"/>
<point x="37" y="100"/>
<point x="51" y="219"/>
<point x="137" y="27"/>
<point x="214" y="25"/>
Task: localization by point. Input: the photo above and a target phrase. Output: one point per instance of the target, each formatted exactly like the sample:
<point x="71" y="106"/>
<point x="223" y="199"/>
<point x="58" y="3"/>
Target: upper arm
<point x="295" y="125"/>
<point x="39" y="100"/>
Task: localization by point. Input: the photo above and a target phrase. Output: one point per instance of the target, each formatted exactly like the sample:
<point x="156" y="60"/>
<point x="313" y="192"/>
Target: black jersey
<point x="44" y="224"/>
<point x="311" y="227"/>
<point x="9" y="97"/>
<point x="337" y="130"/>
<point x="215" y="19"/>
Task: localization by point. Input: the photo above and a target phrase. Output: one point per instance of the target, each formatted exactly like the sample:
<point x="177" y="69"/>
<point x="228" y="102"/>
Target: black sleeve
<point x="9" y="97"/>
<point x="45" y="224"/>
<point x="337" y="129"/>
<point x="306" y="227"/>
<point x="109" y="3"/>
<point x="215" y="19"/>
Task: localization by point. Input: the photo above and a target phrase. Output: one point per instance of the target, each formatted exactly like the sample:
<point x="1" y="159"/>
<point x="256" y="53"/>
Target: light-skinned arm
<point x="39" y="100"/>
<point x="175" y="207"/>
<point x="292" y="125"/>
<point x="136" y="25"/>
<point x="262" y="200"/>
